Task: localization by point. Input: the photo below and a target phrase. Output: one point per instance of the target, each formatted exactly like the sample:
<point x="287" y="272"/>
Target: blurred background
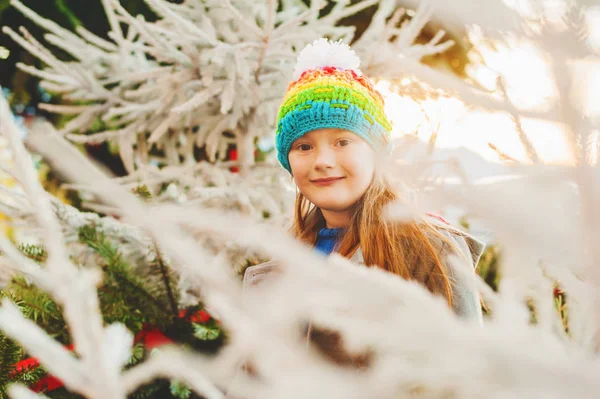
<point x="460" y="131"/>
<point x="485" y="143"/>
<point x="488" y="145"/>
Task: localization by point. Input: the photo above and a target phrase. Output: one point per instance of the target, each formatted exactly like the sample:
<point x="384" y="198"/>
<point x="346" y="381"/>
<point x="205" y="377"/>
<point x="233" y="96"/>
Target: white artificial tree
<point x="206" y="74"/>
<point x="203" y="69"/>
<point x="421" y="349"/>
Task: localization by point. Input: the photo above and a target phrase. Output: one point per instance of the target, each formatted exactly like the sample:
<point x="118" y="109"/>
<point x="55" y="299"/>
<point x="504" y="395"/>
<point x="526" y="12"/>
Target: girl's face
<point x="332" y="169"/>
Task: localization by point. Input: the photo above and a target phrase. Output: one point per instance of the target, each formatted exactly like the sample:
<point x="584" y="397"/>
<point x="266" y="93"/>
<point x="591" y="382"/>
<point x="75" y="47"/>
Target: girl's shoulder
<point x="468" y="245"/>
<point x="467" y="250"/>
<point x="465" y="298"/>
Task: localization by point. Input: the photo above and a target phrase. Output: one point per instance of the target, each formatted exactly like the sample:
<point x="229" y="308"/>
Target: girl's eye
<point x="343" y="142"/>
<point x="303" y="147"/>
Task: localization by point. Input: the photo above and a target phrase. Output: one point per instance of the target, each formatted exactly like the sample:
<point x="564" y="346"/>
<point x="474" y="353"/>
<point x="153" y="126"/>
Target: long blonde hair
<point x="401" y="248"/>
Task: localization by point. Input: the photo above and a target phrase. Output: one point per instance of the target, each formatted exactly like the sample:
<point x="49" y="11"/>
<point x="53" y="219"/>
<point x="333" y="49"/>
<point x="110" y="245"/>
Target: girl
<point x="333" y="137"/>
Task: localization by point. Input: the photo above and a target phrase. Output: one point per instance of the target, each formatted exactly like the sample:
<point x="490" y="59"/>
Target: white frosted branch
<point x="56" y="88"/>
<point x="19" y="263"/>
<point x="250" y="26"/>
<point x="46" y="75"/>
<point x="464" y="91"/>
<point x="44" y="22"/>
<point x="80" y="121"/>
<point x="115" y="27"/>
<point x="243" y="76"/>
<point x="494" y="16"/>
<point x="50" y="60"/>
<point x="180" y="20"/>
<point x="73" y="289"/>
<point x="145" y="30"/>
<point x="18" y="391"/>
<point x="508" y="358"/>
<point x="197" y="100"/>
<point x="417" y="23"/>
<point x="292" y="23"/>
<point x="96" y="40"/>
<point x="96" y="138"/>
<point x="80" y="54"/>
<point x="527" y="144"/>
<point x="174" y="364"/>
<point x="28" y="178"/>
<point x="349" y="10"/>
<point x="58" y="360"/>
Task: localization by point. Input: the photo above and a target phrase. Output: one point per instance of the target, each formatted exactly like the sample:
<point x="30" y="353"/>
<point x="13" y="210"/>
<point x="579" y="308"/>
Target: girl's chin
<point x="331" y="201"/>
<point x="333" y="206"/>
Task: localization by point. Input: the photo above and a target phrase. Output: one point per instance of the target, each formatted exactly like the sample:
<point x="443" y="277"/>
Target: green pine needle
<point x="206" y="332"/>
<point x="143" y="192"/>
<point x="137" y="354"/>
<point x="10" y="355"/>
<point x="124" y="297"/>
<point x="179" y="390"/>
<point x="37" y="305"/>
<point x="34" y="252"/>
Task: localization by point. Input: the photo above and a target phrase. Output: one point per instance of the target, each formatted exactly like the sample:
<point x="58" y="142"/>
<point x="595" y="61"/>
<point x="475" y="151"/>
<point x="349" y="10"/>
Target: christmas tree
<point x="91" y="296"/>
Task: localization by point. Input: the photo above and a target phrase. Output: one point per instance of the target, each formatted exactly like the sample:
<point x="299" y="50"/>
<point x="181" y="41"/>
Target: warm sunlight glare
<point x="459" y="126"/>
<point x="530" y="86"/>
<point x="593" y="27"/>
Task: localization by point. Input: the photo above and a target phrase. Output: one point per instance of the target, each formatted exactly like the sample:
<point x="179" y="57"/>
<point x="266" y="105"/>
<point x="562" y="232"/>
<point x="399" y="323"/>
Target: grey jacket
<point x="465" y="298"/>
<point x="466" y="302"/>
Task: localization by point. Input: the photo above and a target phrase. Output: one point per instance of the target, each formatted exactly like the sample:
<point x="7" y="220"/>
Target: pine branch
<point x="122" y="288"/>
<point x="180" y="390"/>
<point x="7" y="360"/>
<point x="137" y="297"/>
<point x="155" y="389"/>
<point x="10" y="355"/>
<point x="34" y="252"/>
<point x="167" y="281"/>
<point x="38" y="306"/>
<point x="137" y="355"/>
<point x="143" y="192"/>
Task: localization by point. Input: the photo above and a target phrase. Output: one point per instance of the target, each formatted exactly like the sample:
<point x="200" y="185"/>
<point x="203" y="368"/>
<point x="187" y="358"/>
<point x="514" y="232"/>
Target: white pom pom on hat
<point x="323" y="53"/>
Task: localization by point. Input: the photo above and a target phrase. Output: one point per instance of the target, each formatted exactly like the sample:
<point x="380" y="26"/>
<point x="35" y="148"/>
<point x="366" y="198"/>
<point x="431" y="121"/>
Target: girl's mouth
<point x="326" y="181"/>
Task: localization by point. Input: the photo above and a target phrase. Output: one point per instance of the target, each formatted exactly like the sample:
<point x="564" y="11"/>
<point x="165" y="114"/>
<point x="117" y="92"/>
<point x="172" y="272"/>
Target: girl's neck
<point x="336" y="220"/>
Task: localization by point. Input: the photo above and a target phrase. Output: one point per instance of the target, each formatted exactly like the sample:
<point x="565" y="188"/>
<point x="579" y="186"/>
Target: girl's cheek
<point x="299" y="165"/>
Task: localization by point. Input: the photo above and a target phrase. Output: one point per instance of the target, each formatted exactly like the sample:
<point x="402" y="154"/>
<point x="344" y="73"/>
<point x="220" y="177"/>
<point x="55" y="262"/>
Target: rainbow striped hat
<point x="329" y="91"/>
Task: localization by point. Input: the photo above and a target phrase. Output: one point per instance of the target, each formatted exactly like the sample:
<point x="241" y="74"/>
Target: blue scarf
<point x="327" y="239"/>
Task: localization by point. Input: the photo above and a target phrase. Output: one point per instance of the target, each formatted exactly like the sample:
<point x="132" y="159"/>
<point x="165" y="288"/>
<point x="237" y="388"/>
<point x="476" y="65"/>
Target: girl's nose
<point x="325" y="158"/>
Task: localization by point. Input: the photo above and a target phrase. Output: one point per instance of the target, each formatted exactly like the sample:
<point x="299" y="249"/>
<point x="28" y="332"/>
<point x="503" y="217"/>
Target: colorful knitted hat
<point x="329" y="91"/>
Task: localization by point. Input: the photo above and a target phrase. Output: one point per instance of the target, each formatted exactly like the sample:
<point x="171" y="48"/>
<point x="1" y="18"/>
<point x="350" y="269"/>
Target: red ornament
<point x="47" y="384"/>
<point x="153" y="338"/>
<point x="201" y="317"/>
<point x="150" y="337"/>
<point x="233" y="156"/>
<point x="25" y="365"/>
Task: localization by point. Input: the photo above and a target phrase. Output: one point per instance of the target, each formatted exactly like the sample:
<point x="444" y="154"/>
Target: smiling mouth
<point x="327" y="181"/>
